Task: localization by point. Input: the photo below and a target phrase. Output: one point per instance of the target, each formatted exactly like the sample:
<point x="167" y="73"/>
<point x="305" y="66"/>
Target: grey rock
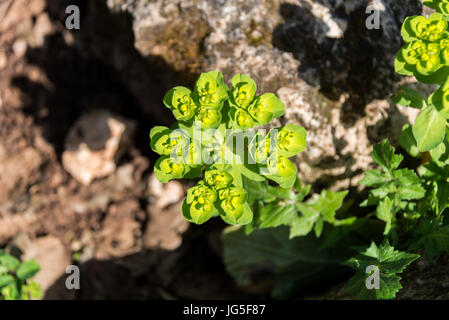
<point x="334" y="75"/>
<point x="95" y="143"/>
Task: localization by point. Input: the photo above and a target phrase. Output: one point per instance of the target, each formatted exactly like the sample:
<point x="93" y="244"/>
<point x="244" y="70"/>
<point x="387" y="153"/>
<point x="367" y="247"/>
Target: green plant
<point x="297" y="236"/>
<point x="212" y="139"/>
<point x="426" y="56"/>
<point x="411" y="203"/>
<point x="15" y="278"/>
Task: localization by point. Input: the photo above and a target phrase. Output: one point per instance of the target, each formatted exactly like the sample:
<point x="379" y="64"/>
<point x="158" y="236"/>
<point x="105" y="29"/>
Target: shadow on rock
<point x="337" y="51"/>
<point x="96" y="66"/>
<point x="191" y="271"/>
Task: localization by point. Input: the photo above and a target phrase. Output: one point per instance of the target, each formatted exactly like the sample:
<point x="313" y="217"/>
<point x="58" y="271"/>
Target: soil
<point x="127" y="240"/>
<point x="49" y="76"/>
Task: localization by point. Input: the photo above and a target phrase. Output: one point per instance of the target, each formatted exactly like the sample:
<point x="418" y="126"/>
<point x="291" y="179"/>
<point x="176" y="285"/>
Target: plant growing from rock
<point x="212" y="139"/>
<point x="295" y="236"/>
<point x="411" y="203"/>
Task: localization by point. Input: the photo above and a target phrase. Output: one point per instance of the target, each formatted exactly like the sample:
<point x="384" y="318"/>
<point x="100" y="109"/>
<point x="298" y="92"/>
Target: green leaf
<point x="389" y="262"/>
<point x="275" y="215"/>
<point x="407" y="33"/>
<point x="259" y="191"/>
<point x="156" y="134"/>
<point x="432" y="3"/>
<point x="374" y="178"/>
<point x="210" y="90"/>
<point x="429" y="129"/>
<point x="244" y="219"/>
<point x="287" y="264"/>
<point x="440" y="100"/>
<point x="442" y="196"/>
<point x="6" y="280"/>
<point x="408" y="185"/>
<point x="292" y="139"/>
<point x="11" y="292"/>
<point x="179" y="100"/>
<point x="284" y="182"/>
<point x="243" y="90"/>
<point x="408" y="141"/>
<point x="27" y="269"/>
<point x="9" y="262"/>
<point x="197" y="219"/>
<point x="32" y="290"/>
<point x="400" y="66"/>
<point x="385" y="213"/>
<point x="431" y="237"/>
<point x="265" y="108"/>
<point x="249" y="172"/>
<point x="410" y="98"/>
<point x="318" y="209"/>
<point x="383" y="154"/>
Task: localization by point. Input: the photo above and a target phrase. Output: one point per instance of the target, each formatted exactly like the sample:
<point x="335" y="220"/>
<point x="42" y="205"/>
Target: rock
<point x="53" y="258"/>
<point x="334" y="75"/>
<point x="19" y="47"/>
<point x="3" y="61"/>
<point x="16" y="171"/>
<point x="165" y="227"/>
<point x="118" y="234"/>
<point x="13" y="12"/>
<point x="95" y="143"/>
<point x="164" y="194"/>
<point x="165" y="222"/>
<point x="42" y="28"/>
<point x="10" y="226"/>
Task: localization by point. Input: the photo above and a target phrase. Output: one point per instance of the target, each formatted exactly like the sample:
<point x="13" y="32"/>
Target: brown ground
<point x="127" y="244"/>
<point x="127" y="237"/>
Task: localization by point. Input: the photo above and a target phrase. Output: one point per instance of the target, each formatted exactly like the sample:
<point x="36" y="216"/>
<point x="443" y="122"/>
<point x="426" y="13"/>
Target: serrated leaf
<point x="408" y="185"/>
<point x="429" y="129"/>
<point x="320" y="208"/>
<point x="389" y="262"/>
<point x="431" y="237"/>
<point x="383" y="154"/>
<point x="259" y="191"/>
<point x="275" y="215"/>
<point x="374" y="178"/>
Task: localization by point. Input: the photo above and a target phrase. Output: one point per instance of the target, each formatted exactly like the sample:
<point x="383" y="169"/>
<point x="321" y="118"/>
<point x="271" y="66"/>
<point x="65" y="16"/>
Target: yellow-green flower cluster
<point x="248" y="110"/>
<point x="426" y="52"/>
<point x="204" y="104"/>
<point x="217" y="195"/>
<point x="272" y="152"/>
<point x="441" y="6"/>
<point x="178" y="153"/>
<point x="223" y="154"/>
